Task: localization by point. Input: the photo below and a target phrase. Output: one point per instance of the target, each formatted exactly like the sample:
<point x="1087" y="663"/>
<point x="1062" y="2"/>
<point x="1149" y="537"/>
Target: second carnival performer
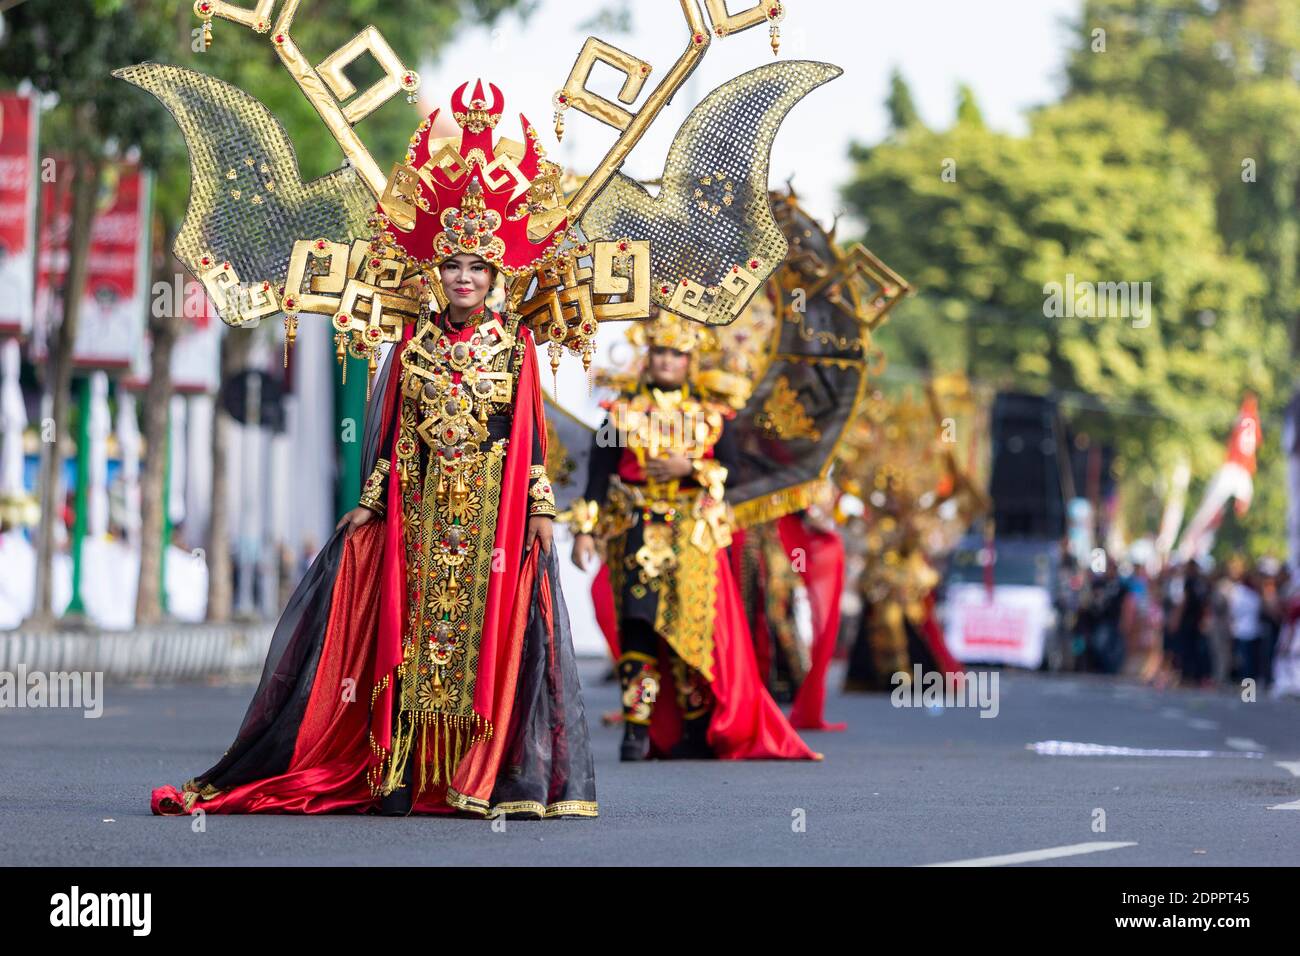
<point x="655" y="499"/>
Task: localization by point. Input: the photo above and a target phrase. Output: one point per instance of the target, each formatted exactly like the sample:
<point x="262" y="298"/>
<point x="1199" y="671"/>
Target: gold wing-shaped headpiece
<point x="265" y="243"/>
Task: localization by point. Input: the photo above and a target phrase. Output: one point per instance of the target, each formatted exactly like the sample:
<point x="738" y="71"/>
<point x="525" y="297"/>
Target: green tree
<point x="1103" y="191"/>
<point x="968" y="110"/>
<point x="1225" y="73"/>
<point x="901" y="107"/>
<point x="67" y="50"/>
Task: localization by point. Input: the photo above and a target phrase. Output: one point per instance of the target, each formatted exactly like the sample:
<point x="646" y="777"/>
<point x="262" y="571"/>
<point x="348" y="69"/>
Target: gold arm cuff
<point x="541" y="498"/>
<point x="372" y="492"/>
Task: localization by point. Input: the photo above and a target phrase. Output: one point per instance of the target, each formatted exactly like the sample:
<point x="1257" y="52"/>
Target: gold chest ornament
<point x="661" y="422"/>
<point x="453" y="414"/>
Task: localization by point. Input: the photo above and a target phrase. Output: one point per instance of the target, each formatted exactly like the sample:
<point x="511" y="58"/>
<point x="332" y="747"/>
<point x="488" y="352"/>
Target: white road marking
<point x="1244" y="743"/>
<point x="1034" y="856"/>
<point x="1293" y="805"/>
<point x="1200" y="723"/>
<point x="1293" y="766"/>
<point x="1071" y="748"/>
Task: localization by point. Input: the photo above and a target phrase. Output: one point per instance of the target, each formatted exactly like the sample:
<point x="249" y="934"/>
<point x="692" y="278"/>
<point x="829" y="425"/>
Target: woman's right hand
<point x="584" y="550"/>
<point x="354" y="519"/>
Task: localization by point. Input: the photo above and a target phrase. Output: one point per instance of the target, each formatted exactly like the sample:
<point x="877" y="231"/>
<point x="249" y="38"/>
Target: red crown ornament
<point x="477" y="198"/>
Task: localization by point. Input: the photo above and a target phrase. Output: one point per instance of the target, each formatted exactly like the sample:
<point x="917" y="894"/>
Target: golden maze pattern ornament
<point x="712" y="247"/>
<point x="240" y="250"/>
<point x="264" y="209"/>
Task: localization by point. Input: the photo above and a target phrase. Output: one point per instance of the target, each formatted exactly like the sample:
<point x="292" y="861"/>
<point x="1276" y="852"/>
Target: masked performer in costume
<point x="437" y="600"/>
<point x="656" y="479"/>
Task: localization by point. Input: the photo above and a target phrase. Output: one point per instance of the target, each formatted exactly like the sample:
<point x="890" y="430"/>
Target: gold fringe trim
<point x="437" y="742"/>
<point x="375" y="773"/>
<point x="564" y="808"/>
<point x="778" y="504"/>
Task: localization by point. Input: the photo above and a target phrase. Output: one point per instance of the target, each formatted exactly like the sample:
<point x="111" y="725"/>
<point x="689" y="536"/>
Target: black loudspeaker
<point x="1028" y="501"/>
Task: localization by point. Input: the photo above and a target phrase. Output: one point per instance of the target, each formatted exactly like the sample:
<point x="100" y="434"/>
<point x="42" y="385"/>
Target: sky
<point x="1010" y="52"/>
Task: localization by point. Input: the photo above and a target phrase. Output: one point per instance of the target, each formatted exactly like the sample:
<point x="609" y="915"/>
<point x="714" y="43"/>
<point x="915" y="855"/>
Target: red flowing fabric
<point x="392" y="573"/>
<point x="332" y="754"/>
<point x="823" y="579"/>
<point x="327" y="773"/>
<point x="761" y="634"/>
<point x="746" y="723"/>
<point x="602" y="599"/>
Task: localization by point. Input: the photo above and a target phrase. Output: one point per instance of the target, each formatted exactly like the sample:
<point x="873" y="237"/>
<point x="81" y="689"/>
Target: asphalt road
<point x="902" y="786"/>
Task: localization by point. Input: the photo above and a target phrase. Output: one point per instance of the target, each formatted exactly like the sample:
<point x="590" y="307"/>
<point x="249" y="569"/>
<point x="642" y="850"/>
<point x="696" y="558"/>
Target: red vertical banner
<point x="18" y="122"/>
<point x="117" y="288"/>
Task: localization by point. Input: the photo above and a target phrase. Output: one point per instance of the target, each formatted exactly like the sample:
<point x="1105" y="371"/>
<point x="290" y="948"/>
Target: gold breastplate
<point x="656" y="423"/>
<point x="453" y="414"/>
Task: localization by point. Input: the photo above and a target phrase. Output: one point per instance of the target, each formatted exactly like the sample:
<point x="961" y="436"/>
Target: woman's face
<point x="466" y="279"/>
<point x="668" y="367"/>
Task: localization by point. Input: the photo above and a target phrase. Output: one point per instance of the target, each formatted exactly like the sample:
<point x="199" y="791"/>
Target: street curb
<point x="184" y="652"/>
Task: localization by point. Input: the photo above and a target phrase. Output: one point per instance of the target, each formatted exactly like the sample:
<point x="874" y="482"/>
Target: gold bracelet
<point x="541" y="498"/>
<point x="372" y="493"/>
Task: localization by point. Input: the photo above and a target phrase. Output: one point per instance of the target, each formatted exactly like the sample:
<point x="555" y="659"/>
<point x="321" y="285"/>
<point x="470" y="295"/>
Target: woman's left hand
<point x="541" y="529"/>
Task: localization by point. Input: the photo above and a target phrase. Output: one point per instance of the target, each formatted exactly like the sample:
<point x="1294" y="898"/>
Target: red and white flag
<point x="1235" y="479"/>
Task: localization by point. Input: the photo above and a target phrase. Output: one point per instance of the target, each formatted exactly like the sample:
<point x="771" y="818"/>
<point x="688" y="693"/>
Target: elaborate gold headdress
<point x="669" y="331"/>
<point x="358" y="247"/>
